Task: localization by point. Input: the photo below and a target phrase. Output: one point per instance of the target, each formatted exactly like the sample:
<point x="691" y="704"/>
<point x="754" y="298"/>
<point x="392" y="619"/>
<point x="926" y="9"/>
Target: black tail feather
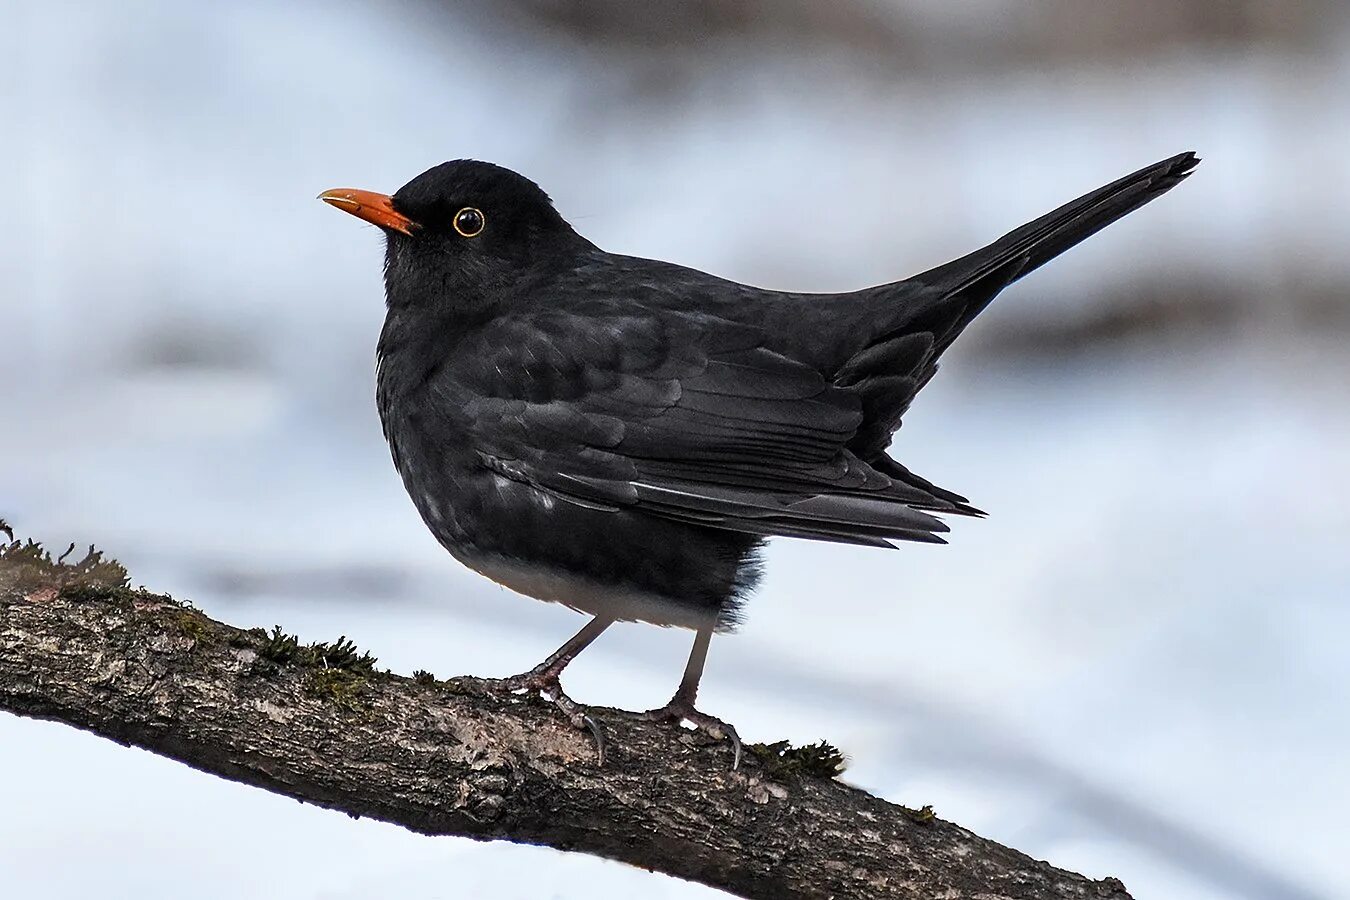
<point x="938" y="305"/>
<point x="980" y="276"/>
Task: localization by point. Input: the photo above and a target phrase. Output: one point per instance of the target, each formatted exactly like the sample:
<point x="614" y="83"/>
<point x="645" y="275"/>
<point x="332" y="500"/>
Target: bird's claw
<point x="678" y="712"/>
<point x="546" y="684"/>
<point x="579" y="718"/>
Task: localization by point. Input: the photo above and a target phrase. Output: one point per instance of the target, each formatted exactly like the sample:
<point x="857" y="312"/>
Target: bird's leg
<point x="545" y="675"/>
<point x="681" y="706"/>
<point x="544" y="679"/>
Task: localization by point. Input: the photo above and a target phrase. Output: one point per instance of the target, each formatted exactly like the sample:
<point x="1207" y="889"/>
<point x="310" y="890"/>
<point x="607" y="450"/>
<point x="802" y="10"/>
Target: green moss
<point x="279" y="647"/>
<point x="285" y="649"/>
<point x="342" y="654"/>
<point x="422" y="676"/>
<point x="923" y="815"/>
<point x="338" y="686"/>
<point x="27" y="566"/>
<point x="195" y="625"/>
<point x="781" y="761"/>
<point x="94" y="593"/>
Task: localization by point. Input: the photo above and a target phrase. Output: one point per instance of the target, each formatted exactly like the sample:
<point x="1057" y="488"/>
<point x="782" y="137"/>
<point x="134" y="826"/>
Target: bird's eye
<point x="469" y="222"/>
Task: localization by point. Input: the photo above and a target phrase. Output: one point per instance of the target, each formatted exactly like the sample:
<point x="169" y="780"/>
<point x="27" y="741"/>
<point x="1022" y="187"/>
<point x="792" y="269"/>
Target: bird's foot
<point x="679" y="711"/>
<point x="544" y="682"/>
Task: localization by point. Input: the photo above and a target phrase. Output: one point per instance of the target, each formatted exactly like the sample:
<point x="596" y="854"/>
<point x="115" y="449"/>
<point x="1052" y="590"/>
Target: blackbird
<point x="621" y="435"/>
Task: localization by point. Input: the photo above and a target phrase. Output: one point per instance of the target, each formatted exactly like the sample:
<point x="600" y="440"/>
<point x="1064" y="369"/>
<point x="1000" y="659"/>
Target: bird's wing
<point x="681" y="415"/>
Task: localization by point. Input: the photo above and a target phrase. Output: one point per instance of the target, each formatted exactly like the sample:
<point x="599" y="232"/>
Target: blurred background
<point x="1136" y="666"/>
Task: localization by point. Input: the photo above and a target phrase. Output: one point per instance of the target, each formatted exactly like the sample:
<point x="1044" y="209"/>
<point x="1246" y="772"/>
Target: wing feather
<point x="685" y="418"/>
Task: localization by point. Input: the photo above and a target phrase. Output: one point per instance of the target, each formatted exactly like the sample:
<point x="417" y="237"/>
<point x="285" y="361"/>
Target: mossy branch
<point x="320" y="723"/>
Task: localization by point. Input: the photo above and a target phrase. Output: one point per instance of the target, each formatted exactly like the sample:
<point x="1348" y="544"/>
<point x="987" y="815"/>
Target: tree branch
<point x="321" y="724"/>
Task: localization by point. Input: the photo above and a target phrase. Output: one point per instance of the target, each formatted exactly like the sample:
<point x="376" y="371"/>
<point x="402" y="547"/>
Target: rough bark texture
<point x="456" y="757"/>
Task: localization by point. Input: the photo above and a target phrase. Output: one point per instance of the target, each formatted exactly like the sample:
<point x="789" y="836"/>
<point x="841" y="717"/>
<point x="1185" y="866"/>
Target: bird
<point x="621" y="435"/>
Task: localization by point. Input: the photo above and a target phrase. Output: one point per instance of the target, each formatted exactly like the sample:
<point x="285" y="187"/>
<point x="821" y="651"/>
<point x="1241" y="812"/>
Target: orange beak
<point x="377" y="209"/>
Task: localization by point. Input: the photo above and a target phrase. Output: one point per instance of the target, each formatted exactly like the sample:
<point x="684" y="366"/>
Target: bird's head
<point x="462" y="233"/>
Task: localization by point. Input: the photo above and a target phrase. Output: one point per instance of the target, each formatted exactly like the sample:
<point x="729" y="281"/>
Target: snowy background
<point x="1137" y="666"/>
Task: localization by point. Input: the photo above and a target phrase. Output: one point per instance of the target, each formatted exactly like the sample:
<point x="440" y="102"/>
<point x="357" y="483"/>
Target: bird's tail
<point x="979" y="276"/>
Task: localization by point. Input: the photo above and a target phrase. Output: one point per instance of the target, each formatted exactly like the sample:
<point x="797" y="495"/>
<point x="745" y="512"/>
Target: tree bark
<point x="458" y="757"/>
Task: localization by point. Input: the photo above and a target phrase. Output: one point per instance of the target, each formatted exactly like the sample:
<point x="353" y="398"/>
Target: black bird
<point x="620" y="434"/>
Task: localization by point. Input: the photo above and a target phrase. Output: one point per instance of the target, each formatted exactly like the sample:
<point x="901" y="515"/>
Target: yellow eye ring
<point x="469" y="222"/>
